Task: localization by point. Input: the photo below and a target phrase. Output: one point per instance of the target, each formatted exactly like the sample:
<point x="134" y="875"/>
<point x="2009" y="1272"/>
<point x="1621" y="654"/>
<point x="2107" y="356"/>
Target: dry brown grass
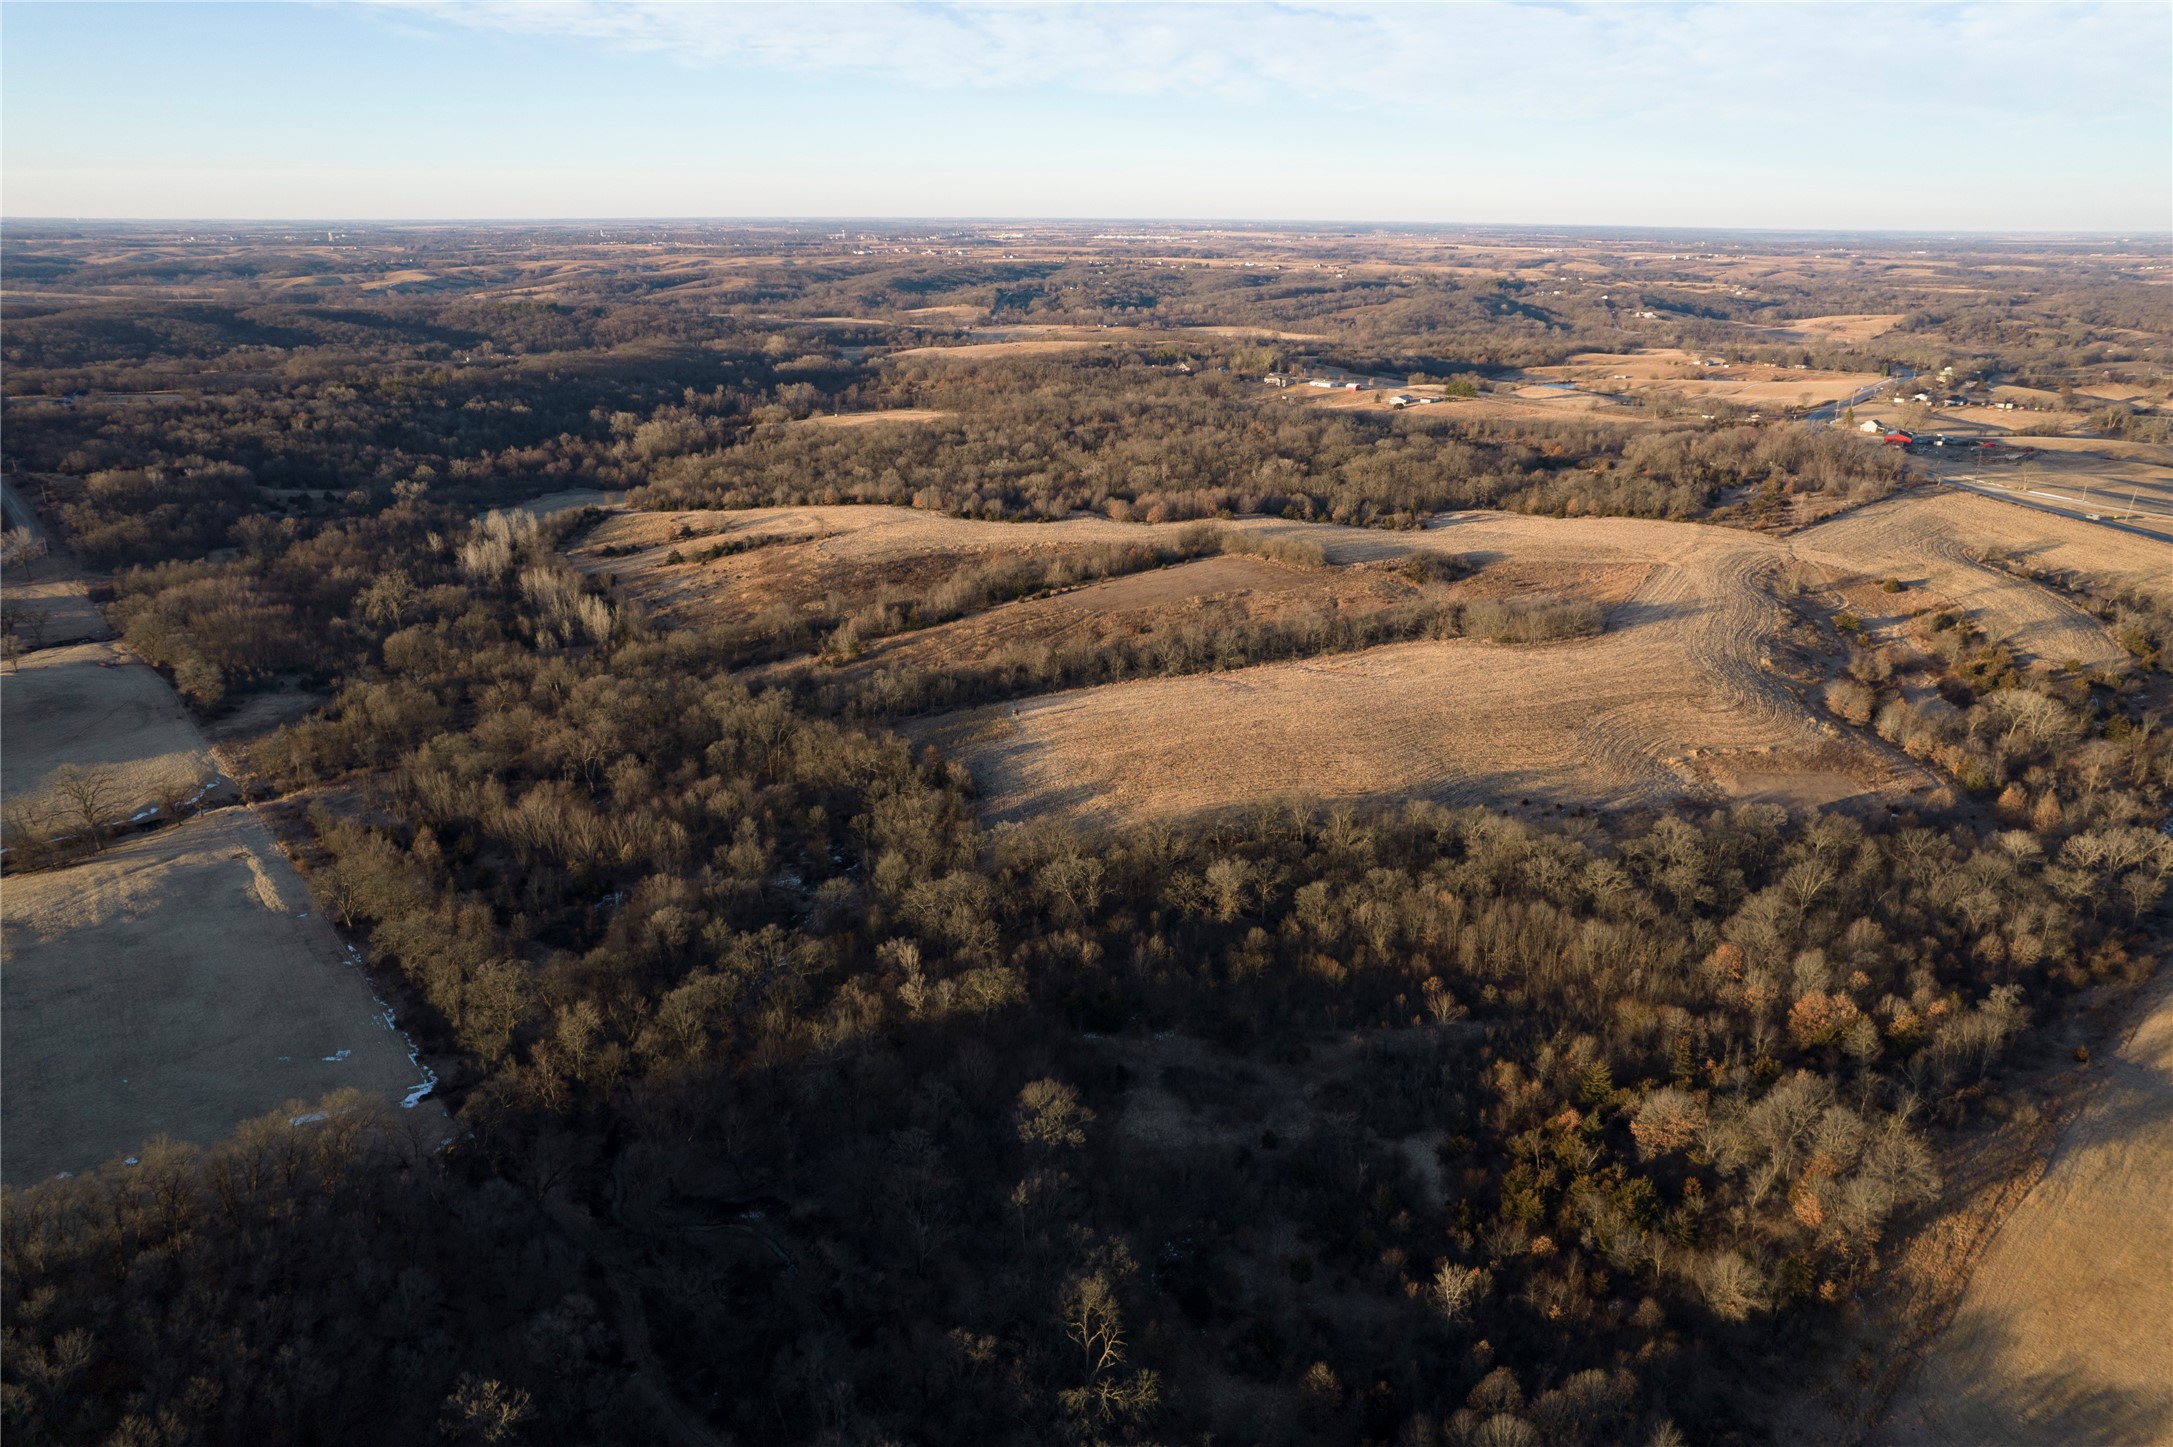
<point x="49" y="599"/>
<point x="1848" y="328"/>
<point x="1936" y="541"/>
<point x="869" y="419"/>
<point x="1027" y="347"/>
<point x="95" y="705"/>
<point x="177" y="984"/>
<point x="2062" y="1333"/>
<point x="1683" y="375"/>
<point x="2112" y="448"/>
<point x="1032" y="340"/>
<point x="1690" y="691"/>
<point x="830" y="557"/>
<point x="1674" y="699"/>
<point x="1138" y="604"/>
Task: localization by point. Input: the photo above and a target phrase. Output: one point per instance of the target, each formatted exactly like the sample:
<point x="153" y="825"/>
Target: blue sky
<point x="1894" y="116"/>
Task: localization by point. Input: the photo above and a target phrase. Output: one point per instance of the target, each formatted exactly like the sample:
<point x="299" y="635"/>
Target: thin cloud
<point x="1795" y="63"/>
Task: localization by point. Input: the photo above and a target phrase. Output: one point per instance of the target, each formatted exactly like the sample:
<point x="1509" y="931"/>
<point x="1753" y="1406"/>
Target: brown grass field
<point x="567" y="500"/>
<point x="869" y="419"/>
<point x="50" y="598"/>
<point x="2045" y="540"/>
<point x="853" y="555"/>
<point x="1848" y="329"/>
<point x="1229" y="588"/>
<point x="1138" y="604"/>
<point x="2062" y="1335"/>
<point x="177" y="984"/>
<point x="180" y="981"/>
<point x="1685" y="376"/>
<point x="1030" y="340"/>
<point x="1681" y="696"/>
<point x="1934" y="542"/>
<point x="1674" y="699"/>
<point x="1694" y="689"/>
<point x="95" y="705"/>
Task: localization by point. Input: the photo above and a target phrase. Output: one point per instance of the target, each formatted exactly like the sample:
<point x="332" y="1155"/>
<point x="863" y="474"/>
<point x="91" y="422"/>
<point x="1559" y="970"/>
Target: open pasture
<point x="1678" y="697"/>
<point x="95" y="705"/>
<point x="873" y="419"/>
<point x="1189" y="605"/>
<point x="813" y="560"/>
<point x="176" y="984"/>
<point x="1687" y="376"/>
<point x="1688" y="692"/>
<point x="1942" y="539"/>
<point x="48" y="604"/>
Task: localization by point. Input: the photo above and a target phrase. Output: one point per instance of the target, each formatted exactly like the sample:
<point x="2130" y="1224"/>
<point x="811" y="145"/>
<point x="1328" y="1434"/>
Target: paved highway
<point x="2105" y="511"/>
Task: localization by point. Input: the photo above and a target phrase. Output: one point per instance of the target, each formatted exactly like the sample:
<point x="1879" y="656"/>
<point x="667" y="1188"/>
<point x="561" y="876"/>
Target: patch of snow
<point x="337" y="1056"/>
<point x="429" y="1081"/>
<point x="311" y="1118"/>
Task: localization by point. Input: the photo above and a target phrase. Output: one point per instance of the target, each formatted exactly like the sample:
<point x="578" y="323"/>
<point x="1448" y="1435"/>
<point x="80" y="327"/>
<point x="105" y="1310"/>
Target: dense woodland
<point x="792" y="1105"/>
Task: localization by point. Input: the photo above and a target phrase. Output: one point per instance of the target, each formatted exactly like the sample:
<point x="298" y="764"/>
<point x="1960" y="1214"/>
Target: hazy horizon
<point x="1191" y="223"/>
<point x="1943" y="119"/>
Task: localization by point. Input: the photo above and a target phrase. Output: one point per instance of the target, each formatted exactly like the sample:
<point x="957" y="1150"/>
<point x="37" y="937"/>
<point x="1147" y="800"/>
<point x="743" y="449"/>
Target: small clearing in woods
<point x="1847" y="328"/>
<point x="869" y="419"/>
<point x="567" y="501"/>
<point x="177" y="984"/>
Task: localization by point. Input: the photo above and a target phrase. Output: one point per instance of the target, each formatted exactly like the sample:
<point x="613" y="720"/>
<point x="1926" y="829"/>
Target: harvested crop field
<point x="176" y="984"/>
<point x="2061" y="1335"/>
<point x="97" y="706"/>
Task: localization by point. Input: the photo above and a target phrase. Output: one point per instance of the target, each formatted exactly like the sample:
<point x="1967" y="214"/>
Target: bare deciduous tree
<point x="87" y="796"/>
